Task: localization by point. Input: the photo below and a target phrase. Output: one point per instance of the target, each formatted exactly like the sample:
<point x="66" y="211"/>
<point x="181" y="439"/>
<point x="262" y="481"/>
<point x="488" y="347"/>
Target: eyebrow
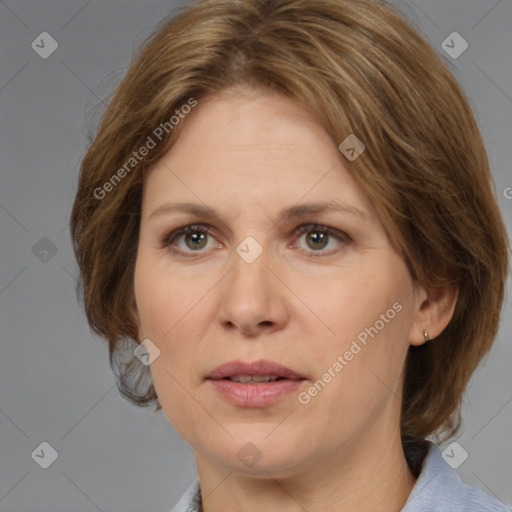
<point x="288" y="213"/>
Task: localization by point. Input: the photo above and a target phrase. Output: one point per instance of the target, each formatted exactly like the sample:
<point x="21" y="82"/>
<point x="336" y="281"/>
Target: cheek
<point x="353" y="299"/>
<point x="357" y="380"/>
<point x="165" y="307"/>
<point x="369" y="315"/>
<point x="163" y="298"/>
<point x="169" y="308"/>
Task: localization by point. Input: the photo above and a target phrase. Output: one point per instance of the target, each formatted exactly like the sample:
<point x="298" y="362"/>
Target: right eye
<point x="194" y="238"/>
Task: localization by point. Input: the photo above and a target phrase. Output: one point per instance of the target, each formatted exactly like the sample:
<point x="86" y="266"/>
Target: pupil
<point x="197" y="237"/>
<point x="320" y="238"/>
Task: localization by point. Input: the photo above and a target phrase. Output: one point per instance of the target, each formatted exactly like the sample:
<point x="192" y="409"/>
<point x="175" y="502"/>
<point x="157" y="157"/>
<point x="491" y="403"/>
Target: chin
<point x="259" y="456"/>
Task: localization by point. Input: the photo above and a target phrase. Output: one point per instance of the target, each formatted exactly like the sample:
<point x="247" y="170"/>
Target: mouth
<point x="256" y="372"/>
<point x="253" y="379"/>
<point x="254" y="385"/>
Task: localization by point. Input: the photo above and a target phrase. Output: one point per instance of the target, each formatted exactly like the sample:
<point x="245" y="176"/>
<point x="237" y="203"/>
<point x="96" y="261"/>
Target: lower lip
<point x="255" y="395"/>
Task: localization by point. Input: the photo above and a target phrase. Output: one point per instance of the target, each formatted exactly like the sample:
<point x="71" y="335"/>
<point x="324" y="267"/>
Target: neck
<point x="360" y="477"/>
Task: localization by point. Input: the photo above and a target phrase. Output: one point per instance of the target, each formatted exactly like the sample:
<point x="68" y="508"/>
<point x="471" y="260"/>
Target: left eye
<point x="318" y="237"/>
<point x="195" y="238"/>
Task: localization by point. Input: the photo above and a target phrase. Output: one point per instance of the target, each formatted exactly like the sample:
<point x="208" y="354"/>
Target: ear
<point x="434" y="309"/>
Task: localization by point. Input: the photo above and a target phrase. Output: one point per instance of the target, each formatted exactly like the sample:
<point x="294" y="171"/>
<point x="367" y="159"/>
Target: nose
<point x="254" y="299"/>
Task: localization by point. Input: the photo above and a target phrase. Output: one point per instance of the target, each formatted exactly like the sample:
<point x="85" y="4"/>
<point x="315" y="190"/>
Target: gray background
<point x="56" y="384"/>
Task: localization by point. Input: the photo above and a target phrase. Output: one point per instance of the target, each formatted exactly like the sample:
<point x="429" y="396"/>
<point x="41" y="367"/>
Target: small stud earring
<point x="427" y="337"/>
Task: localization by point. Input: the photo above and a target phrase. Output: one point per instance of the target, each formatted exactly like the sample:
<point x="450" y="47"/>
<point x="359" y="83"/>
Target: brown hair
<point x="360" y="68"/>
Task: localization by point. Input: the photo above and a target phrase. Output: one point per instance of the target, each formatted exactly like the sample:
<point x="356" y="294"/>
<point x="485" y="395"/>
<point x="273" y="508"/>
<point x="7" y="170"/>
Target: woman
<point x="299" y="232"/>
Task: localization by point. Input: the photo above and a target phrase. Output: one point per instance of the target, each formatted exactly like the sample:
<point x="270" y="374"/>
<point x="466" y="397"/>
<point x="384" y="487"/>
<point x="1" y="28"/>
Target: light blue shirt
<point x="437" y="489"/>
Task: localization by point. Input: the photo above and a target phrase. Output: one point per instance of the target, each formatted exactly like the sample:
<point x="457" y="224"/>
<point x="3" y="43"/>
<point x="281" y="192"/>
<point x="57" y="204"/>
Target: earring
<point x="427" y="337"/>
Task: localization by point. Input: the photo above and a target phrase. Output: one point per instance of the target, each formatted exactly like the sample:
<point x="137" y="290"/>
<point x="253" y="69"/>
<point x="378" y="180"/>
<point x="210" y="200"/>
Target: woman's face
<point x="318" y="291"/>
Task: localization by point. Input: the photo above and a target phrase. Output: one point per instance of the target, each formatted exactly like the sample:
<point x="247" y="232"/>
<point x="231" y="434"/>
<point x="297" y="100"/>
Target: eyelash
<point x="168" y="239"/>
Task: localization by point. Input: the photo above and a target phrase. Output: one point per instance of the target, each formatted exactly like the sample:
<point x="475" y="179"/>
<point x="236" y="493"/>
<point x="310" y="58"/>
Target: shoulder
<point x="439" y="489"/>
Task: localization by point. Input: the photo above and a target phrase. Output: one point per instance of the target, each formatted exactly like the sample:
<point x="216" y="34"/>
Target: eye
<point x="194" y="238"/>
<point x="317" y="237"/>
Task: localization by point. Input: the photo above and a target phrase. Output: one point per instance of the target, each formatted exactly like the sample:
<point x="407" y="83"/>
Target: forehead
<point x="251" y="148"/>
<point x="257" y="123"/>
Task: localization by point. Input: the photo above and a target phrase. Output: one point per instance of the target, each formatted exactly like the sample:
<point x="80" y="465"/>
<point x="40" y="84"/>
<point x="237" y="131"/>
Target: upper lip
<point x="261" y="367"/>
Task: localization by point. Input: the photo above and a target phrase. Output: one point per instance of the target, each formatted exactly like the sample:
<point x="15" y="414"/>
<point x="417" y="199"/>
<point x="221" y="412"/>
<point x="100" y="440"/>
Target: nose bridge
<point x="250" y="260"/>
<point x="251" y="297"/>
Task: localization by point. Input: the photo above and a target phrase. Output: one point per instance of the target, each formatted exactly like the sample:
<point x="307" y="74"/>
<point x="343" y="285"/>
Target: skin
<point x="247" y="155"/>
